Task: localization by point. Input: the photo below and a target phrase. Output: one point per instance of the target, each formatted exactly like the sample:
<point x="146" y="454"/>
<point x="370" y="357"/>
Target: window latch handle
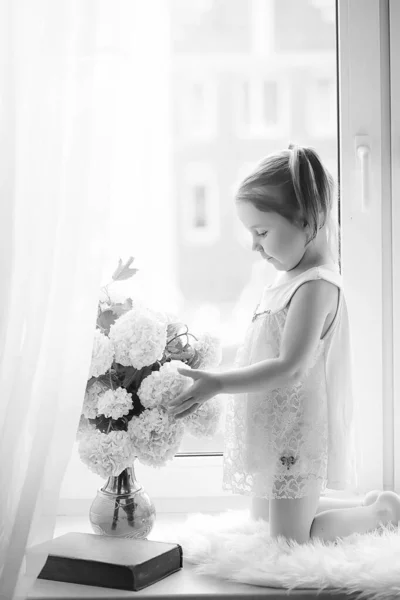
<point x="363" y="155"/>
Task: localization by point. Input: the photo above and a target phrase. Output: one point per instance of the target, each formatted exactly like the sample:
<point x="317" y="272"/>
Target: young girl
<point x="289" y="425"/>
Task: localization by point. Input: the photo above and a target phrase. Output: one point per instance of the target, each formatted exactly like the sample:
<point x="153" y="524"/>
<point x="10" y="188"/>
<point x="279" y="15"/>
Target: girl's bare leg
<point x="260" y="506"/>
<point x="333" y="524"/>
<point x="336" y="503"/>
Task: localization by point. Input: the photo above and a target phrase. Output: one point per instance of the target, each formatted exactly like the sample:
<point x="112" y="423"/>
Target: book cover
<point x="99" y="560"/>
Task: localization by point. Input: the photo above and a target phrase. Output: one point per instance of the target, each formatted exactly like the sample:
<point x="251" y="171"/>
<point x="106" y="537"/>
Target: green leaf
<point x="120" y="309"/>
<point x="105" y="379"/>
<point x="90" y="382"/>
<point x="123" y="271"/>
<point x="102" y="423"/>
<point x="106" y="319"/>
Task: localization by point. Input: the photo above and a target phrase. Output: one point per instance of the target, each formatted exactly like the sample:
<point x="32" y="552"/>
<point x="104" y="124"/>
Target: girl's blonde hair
<point x="307" y="191"/>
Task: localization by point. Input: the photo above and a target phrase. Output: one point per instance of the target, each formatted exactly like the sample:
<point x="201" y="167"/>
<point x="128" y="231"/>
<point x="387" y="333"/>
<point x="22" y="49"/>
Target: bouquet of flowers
<point x="133" y="375"/>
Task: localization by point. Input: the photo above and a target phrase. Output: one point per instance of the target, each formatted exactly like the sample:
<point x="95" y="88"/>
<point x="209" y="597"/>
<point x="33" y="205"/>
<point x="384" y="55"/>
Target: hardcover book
<point x="99" y="560"/>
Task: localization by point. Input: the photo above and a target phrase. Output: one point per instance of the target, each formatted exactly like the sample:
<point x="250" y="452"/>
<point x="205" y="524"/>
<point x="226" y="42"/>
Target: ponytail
<point x="306" y="187"/>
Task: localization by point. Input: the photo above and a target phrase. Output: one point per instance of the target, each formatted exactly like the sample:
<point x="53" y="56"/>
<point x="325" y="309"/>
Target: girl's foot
<point x="388" y="503"/>
<point x="371" y="497"/>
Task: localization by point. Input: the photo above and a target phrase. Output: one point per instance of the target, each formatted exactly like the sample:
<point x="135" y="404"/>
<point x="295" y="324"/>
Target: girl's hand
<point x="206" y="385"/>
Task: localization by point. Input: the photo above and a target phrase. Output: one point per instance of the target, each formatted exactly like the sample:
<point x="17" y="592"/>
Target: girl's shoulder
<point x="329" y="271"/>
<point x="276" y="297"/>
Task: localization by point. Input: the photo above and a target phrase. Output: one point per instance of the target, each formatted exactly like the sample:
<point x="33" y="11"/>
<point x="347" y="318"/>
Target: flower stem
<point x="116" y="505"/>
<point x="180" y="334"/>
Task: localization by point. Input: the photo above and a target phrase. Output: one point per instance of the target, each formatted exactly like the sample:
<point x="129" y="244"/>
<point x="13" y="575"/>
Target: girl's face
<point x="278" y="241"/>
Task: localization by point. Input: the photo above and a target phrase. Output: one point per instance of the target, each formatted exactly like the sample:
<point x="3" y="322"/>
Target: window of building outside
<point x="197" y="108"/>
<point x="262" y="106"/>
<point x="201" y="207"/>
<point x="270" y="102"/>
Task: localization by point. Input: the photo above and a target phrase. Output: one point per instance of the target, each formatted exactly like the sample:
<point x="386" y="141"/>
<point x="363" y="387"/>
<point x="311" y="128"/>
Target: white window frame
<point x="370" y="269"/>
<point x="200" y="174"/>
<point x="394" y="11"/>
<point x="367" y="250"/>
<point x="257" y="128"/>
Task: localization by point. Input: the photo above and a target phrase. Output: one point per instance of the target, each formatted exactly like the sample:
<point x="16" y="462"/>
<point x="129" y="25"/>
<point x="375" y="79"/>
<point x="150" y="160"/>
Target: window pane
<point x="246" y="104"/>
<point x="200" y="206"/>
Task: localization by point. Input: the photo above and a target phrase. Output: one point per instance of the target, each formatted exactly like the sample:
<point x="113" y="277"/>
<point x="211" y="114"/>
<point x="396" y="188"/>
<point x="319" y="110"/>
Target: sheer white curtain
<point x="59" y="80"/>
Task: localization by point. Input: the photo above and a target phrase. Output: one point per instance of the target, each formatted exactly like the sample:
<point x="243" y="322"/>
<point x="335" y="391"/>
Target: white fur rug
<point x="233" y="546"/>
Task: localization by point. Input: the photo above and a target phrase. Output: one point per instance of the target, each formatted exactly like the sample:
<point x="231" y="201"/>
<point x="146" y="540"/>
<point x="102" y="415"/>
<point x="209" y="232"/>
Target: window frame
<point x="366" y="247"/>
<point x="394" y="14"/>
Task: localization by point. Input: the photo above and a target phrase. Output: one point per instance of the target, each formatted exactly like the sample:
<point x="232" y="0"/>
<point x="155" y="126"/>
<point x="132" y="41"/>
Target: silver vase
<point x="122" y="508"/>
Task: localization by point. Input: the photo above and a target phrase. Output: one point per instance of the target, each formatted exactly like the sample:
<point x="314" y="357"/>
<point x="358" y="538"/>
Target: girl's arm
<point x="308" y="311"/>
<point x="263" y="376"/>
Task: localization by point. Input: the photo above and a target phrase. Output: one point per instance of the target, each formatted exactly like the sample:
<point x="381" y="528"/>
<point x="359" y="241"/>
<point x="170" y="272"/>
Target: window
<point x="196" y="108"/>
<point x="270" y="103"/>
<point x="200" y="205"/>
<point x="286" y="91"/>
<point x="262" y="107"/>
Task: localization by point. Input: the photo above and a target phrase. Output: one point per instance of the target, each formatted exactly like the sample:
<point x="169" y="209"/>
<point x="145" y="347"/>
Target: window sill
<point x="185" y="584"/>
<point x="78" y="508"/>
<point x="189" y="484"/>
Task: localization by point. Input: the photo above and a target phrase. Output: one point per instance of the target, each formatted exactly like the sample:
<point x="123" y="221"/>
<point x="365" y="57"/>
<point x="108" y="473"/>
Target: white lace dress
<point x="289" y="441"/>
